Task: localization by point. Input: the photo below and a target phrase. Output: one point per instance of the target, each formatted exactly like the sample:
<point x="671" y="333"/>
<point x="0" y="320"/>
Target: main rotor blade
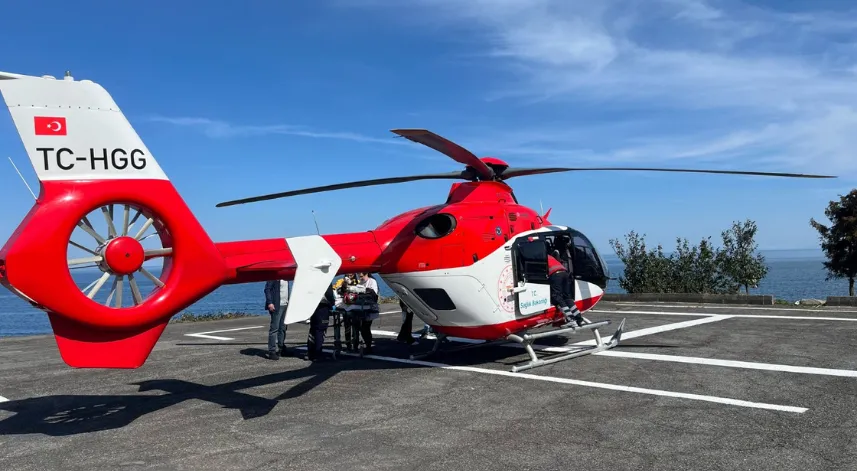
<point x="519" y="172"/>
<point x="340" y="186"/>
<point x="448" y="148"/>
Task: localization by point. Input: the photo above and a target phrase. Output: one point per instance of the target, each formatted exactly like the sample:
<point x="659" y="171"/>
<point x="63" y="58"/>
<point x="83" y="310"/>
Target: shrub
<point x="700" y="268"/>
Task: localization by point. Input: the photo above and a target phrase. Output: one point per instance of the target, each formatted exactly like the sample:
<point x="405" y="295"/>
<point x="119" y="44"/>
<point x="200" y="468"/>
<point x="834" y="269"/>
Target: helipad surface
<point x="720" y="387"/>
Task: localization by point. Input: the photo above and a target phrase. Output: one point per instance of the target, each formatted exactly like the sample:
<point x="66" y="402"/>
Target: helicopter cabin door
<point x="530" y="269"/>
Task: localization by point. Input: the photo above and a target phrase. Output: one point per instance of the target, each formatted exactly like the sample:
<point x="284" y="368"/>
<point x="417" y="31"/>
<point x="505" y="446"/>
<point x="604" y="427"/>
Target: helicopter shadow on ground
<point x="505" y="355"/>
<point x="64" y="415"/>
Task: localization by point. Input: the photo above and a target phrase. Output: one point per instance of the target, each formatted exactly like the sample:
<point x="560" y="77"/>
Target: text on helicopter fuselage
<point x="99" y="159"/>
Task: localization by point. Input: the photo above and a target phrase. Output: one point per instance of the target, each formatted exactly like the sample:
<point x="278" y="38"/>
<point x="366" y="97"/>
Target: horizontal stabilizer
<point x="81" y="346"/>
<point x="317" y="264"/>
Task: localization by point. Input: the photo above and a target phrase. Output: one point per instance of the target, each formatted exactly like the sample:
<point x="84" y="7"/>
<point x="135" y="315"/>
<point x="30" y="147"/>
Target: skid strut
<point x="526" y="340"/>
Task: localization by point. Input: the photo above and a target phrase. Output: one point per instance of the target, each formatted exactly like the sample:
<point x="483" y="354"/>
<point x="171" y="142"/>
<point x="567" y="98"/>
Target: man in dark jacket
<point x="318" y="325"/>
<point x="276" y="302"/>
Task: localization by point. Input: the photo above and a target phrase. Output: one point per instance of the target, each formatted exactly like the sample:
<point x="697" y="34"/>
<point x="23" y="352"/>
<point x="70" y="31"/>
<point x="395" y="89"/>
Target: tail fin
<point x="545" y="216"/>
<point x="93" y="167"/>
<point x="73" y="130"/>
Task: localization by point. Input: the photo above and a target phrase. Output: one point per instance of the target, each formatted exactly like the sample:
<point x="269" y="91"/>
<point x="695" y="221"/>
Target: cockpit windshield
<point x="587" y="264"/>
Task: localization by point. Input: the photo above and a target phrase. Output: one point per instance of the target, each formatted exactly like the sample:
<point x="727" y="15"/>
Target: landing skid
<point x="527" y="340"/>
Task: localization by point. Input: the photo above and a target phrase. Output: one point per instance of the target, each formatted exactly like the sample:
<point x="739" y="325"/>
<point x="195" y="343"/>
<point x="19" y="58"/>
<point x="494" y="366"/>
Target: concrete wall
<point x="842" y="300"/>
<point x="752" y="299"/>
<point x="716" y="298"/>
<point x="692" y="298"/>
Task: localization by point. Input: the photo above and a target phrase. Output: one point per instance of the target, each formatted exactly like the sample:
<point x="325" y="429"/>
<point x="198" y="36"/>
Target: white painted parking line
<point x="731" y="363"/>
<point x="3" y="399"/>
<point x="664" y="328"/>
<point x="204" y="335"/>
<point x="795" y="318"/>
<point x="656" y="313"/>
<point x="591" y="384"/>
<point x="669" y="358"/>
<point x="729" y="306"/>
<point x="625" y="335"/>
<point x="707" y="314"/>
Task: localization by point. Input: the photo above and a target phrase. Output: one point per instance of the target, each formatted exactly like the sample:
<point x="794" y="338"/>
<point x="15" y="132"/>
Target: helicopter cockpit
<point x="570" y="247"/>
<point x="575" y="248"/>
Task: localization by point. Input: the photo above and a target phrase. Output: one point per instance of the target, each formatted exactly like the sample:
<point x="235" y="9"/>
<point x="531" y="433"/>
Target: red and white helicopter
<point x="474" y="266"/>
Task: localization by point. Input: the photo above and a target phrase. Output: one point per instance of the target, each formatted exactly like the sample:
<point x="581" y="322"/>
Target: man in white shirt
<point x="276" y="302"/>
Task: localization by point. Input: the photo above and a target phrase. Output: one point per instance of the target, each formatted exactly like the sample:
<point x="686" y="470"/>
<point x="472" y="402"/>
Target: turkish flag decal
<point x="48" y="126"/>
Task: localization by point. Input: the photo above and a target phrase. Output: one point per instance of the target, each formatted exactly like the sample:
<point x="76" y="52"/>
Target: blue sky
<point x="236" y="101"/>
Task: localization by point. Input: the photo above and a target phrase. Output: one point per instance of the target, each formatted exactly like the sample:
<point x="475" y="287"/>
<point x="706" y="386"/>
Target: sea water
<point x="792" y="275"/>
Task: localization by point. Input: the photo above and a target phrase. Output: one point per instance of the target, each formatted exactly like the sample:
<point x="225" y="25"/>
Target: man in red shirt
<point x="562" y="291"/>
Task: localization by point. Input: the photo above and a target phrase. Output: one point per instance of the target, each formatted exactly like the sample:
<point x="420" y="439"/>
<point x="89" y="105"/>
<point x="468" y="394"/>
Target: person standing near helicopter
<point x="366" y="300"/>
<point x="562" y="290"/>
<point x="318" y="326"/>
<point x="347" y="311"/>
<point x="276" y="303"/>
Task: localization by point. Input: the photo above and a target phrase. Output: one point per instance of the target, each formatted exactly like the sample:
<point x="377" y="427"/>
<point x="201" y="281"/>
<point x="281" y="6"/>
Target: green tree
<point x="700" y="268"/>
<point x="706" y="272"/>
<point x="690" y="269"/>
<point x="839" y="240"/>
<point x="738" y="258"/>
<point x="682" y="264"/>
<point x="640" y="264"/>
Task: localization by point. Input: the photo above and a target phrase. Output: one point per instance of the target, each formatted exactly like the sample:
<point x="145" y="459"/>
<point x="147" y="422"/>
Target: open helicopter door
<point x="532" y="290"/>
<point x="530" y="269"/>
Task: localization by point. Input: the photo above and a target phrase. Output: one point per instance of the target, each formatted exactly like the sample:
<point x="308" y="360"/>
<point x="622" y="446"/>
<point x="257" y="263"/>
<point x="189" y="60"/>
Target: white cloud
<point x="695" y="10"/>
<point x="222" y="129"/>
<point x="724" y="80"/>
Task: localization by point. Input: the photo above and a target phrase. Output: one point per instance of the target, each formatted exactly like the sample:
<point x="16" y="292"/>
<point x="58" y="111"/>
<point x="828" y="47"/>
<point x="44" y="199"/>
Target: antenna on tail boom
<point x="316" y="222"/>
<point x="22" y="178"/>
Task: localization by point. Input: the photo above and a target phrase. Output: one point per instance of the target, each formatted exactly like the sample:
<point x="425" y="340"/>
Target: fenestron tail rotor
<point x="115" y="249"/>
<point x="488" y="169"/>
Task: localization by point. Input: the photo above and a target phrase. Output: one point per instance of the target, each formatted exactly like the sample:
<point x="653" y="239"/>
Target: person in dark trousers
<point x="348" y="323"/>
<point x="567" y="263"/>
<point x="405" y="332"/>
<point x="369" y="309"/>
<point x="344" y="313"/>
<point x="318" y="325"/>
<point x="276" y="302"/>
<point x="562" y="291"/>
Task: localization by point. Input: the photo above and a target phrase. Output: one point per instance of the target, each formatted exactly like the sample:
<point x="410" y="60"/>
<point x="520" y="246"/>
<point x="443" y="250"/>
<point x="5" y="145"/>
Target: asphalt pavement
<point x="689" y="387"/>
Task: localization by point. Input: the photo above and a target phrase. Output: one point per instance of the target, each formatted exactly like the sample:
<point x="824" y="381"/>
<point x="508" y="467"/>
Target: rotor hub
<point x="124" y="255"/>
<point x="496" y="165"/>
